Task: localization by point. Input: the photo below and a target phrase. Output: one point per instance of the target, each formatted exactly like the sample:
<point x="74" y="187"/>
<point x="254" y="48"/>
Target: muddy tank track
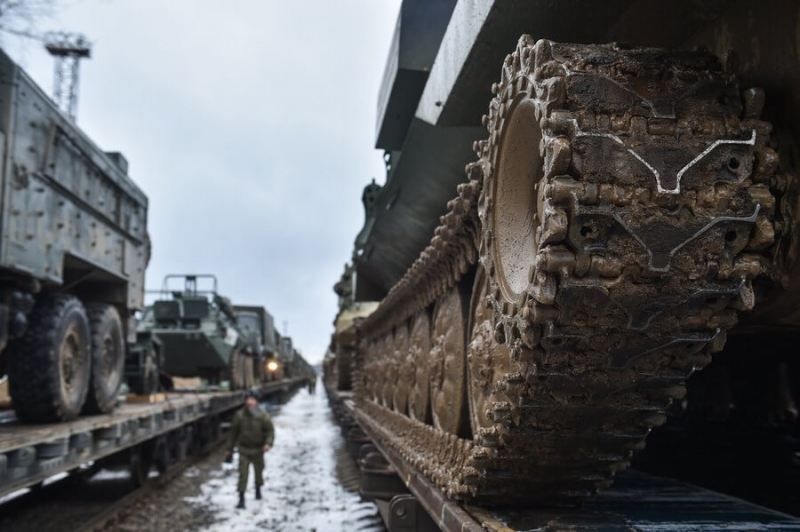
<point x="613" y="225"/>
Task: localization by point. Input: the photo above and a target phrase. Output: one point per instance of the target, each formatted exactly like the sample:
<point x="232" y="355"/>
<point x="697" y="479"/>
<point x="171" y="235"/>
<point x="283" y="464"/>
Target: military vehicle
<point x="73" y="253"/>
<point x="258" y="330"/>
<point x="338" y="361"/>
<point x="197" y="334"/>
<point x="628" y="210"/>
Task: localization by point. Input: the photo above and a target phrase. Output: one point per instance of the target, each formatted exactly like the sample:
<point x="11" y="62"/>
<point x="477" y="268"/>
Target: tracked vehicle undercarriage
<point x="610" y="230"/>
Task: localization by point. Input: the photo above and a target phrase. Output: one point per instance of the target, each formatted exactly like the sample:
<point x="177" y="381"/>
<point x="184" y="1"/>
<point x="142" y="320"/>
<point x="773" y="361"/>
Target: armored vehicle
<point x="197" y="334"/>
<point x="73" y="253"/>
<point x="628" y="210"/>
<point x="338" y="360"/>
<point x="258" y="330"/>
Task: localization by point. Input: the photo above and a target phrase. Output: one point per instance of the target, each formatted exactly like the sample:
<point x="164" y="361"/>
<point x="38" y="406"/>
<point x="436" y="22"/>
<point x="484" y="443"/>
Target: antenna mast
<point x="67" y="49"/>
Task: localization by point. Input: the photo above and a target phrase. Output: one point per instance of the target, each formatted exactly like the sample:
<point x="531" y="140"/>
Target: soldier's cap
<point x="251" y="393"/>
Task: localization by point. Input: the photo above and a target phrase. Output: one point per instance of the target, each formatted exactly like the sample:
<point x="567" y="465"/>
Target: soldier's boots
<point x="241" y="501"/>
<point x="258" y="493"/>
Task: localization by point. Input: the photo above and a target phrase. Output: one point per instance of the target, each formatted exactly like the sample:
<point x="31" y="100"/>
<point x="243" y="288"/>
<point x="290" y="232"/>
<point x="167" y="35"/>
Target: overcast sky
<point x="250" y="126"/>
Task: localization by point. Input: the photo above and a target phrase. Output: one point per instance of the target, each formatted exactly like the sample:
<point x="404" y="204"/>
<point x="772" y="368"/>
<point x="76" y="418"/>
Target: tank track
<point x="654" y="215"/>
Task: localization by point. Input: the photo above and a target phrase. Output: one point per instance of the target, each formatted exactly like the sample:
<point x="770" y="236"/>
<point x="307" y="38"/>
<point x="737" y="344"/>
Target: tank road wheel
<point x="374" y="371"/>
<point x="487" y="360"/>
<point x="626" y="211"/>
<point x="140" y="462"/>
<point x="405" y="369"/>
<point x="448" y="368"/>
<point x="419" y="352"/>
<point x="49" y="366"/>
<point x="108" y="358"/>
<point x="388" y="370"/>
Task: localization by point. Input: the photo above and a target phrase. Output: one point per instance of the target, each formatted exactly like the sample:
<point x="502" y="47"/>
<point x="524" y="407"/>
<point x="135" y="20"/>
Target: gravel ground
<point x="65" y="506"/>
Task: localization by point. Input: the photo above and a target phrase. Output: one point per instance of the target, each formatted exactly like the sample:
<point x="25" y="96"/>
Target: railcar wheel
<point x="448" y="363"/>
<point x="108" y="358"/>
<point x="49" y="366"/>
<point x="150" y="373"/>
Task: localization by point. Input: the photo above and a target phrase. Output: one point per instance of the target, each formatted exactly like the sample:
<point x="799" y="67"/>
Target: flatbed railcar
<point x="142" y="435"/>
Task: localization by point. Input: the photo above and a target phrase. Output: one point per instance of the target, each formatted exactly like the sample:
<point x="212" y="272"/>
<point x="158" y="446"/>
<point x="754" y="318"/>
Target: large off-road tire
<point x="249" y="374"/>
<point x="147" y="382"/>
<point x="49" y="367"/>
<point x="237" y="370"/>
<point x="108" y="358"/>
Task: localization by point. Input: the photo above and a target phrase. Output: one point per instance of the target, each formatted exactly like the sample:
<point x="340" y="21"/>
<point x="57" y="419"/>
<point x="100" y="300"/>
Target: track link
<point x="614" y="266"/>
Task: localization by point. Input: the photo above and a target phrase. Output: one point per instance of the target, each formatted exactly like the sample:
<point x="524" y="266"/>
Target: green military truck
<point x="258" y="329"/>
<point x="73" y="253"/>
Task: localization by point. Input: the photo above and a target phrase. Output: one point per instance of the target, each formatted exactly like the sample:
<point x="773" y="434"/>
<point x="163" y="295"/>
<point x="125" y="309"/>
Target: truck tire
<point x="108" y="358"/>
<point x="249" y="377"/>
<point x="49" y="366"/>
<point x="237" y="370"/>
<point x="146" y="382"/>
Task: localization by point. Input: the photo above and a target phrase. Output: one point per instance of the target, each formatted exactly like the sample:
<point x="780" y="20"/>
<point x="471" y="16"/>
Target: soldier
<point x="254" y="433"/>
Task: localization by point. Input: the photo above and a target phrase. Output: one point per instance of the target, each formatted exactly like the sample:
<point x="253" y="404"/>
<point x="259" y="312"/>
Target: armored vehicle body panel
<point x="69" y="209"/>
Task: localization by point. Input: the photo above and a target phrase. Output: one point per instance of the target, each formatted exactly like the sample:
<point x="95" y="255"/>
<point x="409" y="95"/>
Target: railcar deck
<point x="31" y="453"/>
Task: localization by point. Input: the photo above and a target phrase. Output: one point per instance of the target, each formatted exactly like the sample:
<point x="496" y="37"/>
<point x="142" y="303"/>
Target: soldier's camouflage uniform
<point x="251" y="431"/>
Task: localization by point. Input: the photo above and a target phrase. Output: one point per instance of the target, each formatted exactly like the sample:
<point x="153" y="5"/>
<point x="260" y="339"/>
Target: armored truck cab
<point x="73" y="253"/>
<point x="258" y="330"/>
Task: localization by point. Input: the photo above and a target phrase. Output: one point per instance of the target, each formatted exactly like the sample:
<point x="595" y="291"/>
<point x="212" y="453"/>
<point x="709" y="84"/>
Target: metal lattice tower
<point x="67" y="49"/>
